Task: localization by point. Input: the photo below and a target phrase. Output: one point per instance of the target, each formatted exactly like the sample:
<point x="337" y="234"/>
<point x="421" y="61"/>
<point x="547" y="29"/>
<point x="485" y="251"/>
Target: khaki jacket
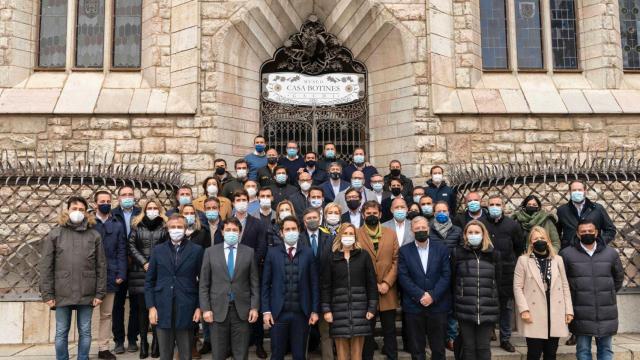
<point x="529" y="294"/>
<point x="225" y="205"/>
<point x="385" y="263"/>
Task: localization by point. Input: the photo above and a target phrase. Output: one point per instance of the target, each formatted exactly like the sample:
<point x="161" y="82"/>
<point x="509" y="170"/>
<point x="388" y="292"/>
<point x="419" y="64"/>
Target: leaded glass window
<point x="52" y="45"/>
<point x="629" y="19"/>
<point x="528" y="34"/>
<point x="126" y="33"/>
<point x="563" y="34"/>
<point x="90" y="34"/>
<point x="494" y="34"/>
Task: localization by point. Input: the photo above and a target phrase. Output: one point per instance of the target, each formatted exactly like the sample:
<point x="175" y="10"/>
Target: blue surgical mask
<point x="184" y="200"/>
<point x="577" y="196"/>
<point x="442" y="217"/>
<point x="315" y="203"/>
<point x="231" y="237"/>
<point x="356" y="183"/>
<point x="291" y="237"/>
<point x="400" y="214"/>
<point x="495" y="212"/>
<point x="212" y="214"/>
<point x="473" y="206"/>
<point x="358" y="159"/>
<point x="281" y="178"/>
<point x="127" y="203"/>
<point x="191" y="219"/>
<point x="330" y="154"/>
<point x="427" y="209"/>
<point x="377" y="187"/>
<point x="260" y="147"/>
<point x="292" y="152"/>
<point x="474" y="239"/>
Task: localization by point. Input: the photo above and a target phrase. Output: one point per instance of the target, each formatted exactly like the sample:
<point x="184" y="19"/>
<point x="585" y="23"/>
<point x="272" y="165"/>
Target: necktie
<point x="230" y="262"/>
<point x="314" y="244"/>
<point x="291" y="253"/>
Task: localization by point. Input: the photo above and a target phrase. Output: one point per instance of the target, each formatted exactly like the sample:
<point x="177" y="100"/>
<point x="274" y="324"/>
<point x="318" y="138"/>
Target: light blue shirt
<point x="127" y="219"/>
<point x="226" y="252"/>
<point x="423" y="252"/>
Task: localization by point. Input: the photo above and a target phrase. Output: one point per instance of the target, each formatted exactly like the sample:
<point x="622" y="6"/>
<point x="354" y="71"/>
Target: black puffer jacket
<point x="594" y="281"/>
<point x="143" y="238"/>
<point x="453" y="238"/>
<point x="476" y="275"/>
<point x="349" y="291"/>
<point x="507" y="238"/>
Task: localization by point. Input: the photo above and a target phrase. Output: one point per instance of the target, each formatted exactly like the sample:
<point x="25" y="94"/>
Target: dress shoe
<point x="571" y="341"/>
<point x="133" y="347"/>
<point x="449" y="345"/>
<point x="507" y="346"/>
<point x="260" y="353"/>
<point x="155" y="348"/>
<point x="195" y="354"/>
<point x="106" y="354"/>
<point x="144" y="350"/>
<point x="119" y="348"/>
<point x="206" y="348"/>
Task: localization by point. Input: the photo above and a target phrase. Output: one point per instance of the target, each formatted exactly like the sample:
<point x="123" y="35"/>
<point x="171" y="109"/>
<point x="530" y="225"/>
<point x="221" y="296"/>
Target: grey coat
<point x="409" y="237"/>
<point x="215" y="284"/>
<point x="73" y="268"/>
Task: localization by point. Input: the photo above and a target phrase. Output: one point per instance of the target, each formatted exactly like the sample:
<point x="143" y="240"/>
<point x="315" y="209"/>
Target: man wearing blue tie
<point x="424" y="274"/>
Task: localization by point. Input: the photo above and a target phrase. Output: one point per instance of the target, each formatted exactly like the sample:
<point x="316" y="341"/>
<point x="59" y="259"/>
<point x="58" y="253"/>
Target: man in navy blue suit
<point x="334" y="185"/>
<point x="424" y="274"/>
<point x="290" y="292"/>
<point x="171" y="289"/>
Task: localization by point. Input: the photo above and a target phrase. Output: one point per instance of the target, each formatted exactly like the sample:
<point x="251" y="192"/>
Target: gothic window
<point x="629" y="19"/>
<point x="106" y="34"/>
<point x="563" y="34"/>
<point x="494" y="34"/>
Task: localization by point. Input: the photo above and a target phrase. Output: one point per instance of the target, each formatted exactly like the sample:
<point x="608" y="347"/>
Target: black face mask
<point x="335" y="175"/>
<point x="396" y="191"/>
<point x="412" y="214"/>
<point x="421" y="236"/>
<point x="531" y="209"/>
<point x="395" y="172"/>
<point x="371" y="220"/>
<point x="104" y="208"/>
<point x="353" y="204"/>
<point x="588" y="239"/>
<point x="310" y="163"/>
<point x="220" y="171"/>
<point x="272" y="160"/>
<point x="540" y="246"/>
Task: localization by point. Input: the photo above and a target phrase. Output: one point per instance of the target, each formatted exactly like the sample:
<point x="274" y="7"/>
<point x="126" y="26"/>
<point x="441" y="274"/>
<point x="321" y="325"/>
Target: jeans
<point x="63" y="325"/>
<point x="452" y="327"/>
<point x="506" y="314"/>
<point x="603" y="345"/>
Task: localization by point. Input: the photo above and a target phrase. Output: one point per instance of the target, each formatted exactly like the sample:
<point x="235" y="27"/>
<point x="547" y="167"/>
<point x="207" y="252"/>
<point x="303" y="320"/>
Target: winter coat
<point x="451" y="241"/>
<point x="143" y="238"/>
<point x="541" y="218"/>
<point x="385" y="262"/>
<point x="225" y="205"/>
<point x="114" y="241"/>
<point x="594" y="281"/>
<point x="200" y="237"/>
<point x="568" y="222"/>
<point x="349" y="291"/>
<point x="73" y="269"/>
<point x="443" y="192"/>
<point x="407" y="184"/>
<point x="463" y="218"/>
<point x="506" y="237"/>
<point x="476" y="275"/>
<point x="530" y="295"/>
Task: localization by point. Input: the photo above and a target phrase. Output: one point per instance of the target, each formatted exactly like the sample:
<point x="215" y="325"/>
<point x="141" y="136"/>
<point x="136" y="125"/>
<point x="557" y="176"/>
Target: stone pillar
<point x="17" y="40"/>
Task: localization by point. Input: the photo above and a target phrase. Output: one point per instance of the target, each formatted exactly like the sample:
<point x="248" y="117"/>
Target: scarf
<point x="443" y="229"/>
<point x="152" y="224"/>
<point x="374" y="235"/>
<point x="529" y="221"/>
<point x="544" y="265"/>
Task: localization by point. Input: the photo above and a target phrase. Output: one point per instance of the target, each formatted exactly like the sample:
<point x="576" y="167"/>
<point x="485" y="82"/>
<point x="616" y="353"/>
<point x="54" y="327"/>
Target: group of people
<point x="317" y="251"/>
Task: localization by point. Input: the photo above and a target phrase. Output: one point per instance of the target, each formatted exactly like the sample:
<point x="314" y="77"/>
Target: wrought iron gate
<point x="313" y="51"/>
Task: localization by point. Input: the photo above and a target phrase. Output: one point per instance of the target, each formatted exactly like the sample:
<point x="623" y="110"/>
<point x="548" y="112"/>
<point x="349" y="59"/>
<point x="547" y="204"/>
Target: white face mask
<point x="241" y="173"/>
<point x="265" y="203"/>
<point x="252" y="192"/>
<point x="333" y="219"/>
<point x="212" y="190"/>
<point x="176" y="234"/>
<point x="348" y="240"/>
<point x="241" y="206"/>
<point x="436" y="178"/>
<point x="284" y="214"/>
<point x="76" y="217"/>
<point x="305" y="186"/>
<point x="152" y="214"/>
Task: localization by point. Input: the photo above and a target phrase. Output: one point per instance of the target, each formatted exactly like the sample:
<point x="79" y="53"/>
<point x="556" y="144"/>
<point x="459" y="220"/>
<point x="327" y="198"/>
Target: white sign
<point x="300" y="89"/>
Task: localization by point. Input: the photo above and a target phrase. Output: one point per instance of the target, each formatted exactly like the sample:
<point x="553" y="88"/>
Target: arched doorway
<point x="314" y="92"/>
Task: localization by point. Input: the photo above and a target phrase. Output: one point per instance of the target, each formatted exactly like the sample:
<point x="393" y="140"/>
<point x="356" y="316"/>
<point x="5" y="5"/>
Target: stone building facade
<point x="196" y="95"/>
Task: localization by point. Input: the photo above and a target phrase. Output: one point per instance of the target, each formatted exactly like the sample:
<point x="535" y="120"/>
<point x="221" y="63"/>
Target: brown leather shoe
<point x="450" y="345"/>
<point x="260" y="353"/>
<point x="195" y="354"/>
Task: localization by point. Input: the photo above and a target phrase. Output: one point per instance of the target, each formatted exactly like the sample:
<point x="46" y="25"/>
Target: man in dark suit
<point x="353" y="215"/>
<point x="230" y="293"/>
<point x="334" y="185"/>
<point x="170" y="290"/>
<point x="290" y="292"/>
<point x="396" y="189"/>
<point x="319" y="176"/>
<point x="424" y="274"/>
<point x="281" y="188"/>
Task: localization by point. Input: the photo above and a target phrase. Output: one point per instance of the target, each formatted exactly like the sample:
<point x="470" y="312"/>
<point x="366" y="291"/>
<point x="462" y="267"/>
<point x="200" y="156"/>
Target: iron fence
<point x="612" y="179"/>
<point x="33" y="190"/>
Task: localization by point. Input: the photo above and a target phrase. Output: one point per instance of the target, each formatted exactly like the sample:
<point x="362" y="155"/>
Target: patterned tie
<point x="230" y="262"/>
<point x="314" y="244"/>
<point x="291" y="253"/>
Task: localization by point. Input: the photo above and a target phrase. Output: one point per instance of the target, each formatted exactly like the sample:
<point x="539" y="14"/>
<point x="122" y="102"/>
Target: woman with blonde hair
<point x="284" y="209"/>
<point x="542" y="295"/>
<point x="331" y="218"/>
<point x="195" y="232"/>
<point x="349" y="293"/>
<point x="147" y="230"/>
<point x="476" y="272"/>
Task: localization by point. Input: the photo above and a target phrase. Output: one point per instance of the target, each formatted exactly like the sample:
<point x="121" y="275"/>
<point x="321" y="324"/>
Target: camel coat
<point x="529" y="294"/>
<point x="385" y="263"/>
<point x="225" y="205"/>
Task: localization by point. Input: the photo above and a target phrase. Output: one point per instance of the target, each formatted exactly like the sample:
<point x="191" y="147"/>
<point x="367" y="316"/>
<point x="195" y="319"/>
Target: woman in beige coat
<point x="542" y="296"/>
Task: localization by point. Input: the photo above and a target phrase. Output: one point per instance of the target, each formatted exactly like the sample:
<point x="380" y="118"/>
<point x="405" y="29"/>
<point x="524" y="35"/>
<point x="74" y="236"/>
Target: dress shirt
<point x="400" y="231"/>
<point x="355" y="218"/>
<point x="592" y="251"/>
<point x="423" y="251"/>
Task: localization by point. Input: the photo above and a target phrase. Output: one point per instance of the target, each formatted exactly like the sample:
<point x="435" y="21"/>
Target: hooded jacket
<point x="73" y="269"/>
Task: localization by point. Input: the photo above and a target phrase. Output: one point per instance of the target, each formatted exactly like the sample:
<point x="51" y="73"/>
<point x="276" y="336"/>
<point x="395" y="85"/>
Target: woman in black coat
<point x="195" y="232"/>
<point x="349" y="294"/>
<point x="476" y="275"/>
<point x="147" y="230"/>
